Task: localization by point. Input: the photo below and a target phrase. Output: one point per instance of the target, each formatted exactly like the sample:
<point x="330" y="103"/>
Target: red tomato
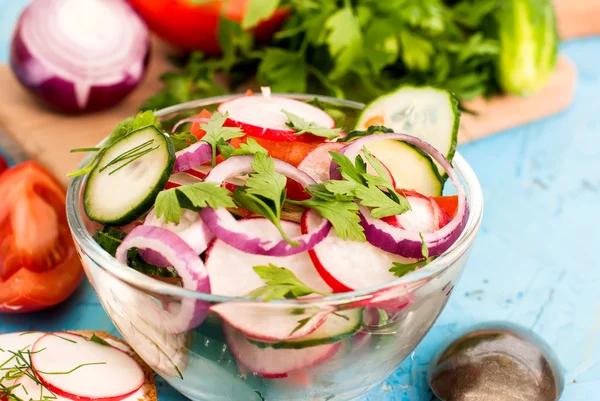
<point x="194" y="26"/>
<point x="448" y="203"/>
<point x="38" y="263"/>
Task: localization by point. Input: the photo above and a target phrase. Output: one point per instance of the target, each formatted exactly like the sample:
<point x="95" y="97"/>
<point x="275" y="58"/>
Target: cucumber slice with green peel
<point x="338" y="326"/>
<point x="411" y="168"/>
<point x="428" y="113"/>
<point x="129" y="175"/>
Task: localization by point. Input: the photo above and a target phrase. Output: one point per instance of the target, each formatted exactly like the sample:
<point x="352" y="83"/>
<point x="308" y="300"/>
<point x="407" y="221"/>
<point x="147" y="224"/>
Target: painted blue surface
<point x="533" y="263"/>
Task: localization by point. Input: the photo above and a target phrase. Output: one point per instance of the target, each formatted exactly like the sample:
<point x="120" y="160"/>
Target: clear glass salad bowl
<point x="215" y="362"/>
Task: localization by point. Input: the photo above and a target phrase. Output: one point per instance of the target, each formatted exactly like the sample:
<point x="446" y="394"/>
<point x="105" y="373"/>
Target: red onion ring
<point x="396" y="240"/>
<point x="193" y="156"/>
<point x="199" y="120"/>
<point x="185" y="260"/>
<point x="224" y="226"/>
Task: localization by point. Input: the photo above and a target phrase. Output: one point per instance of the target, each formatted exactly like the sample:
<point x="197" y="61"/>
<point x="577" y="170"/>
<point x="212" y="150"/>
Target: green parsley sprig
<point x="264" y="192"/>
<point x="301" y="126"/>
<point x="280" y="283"/>
<point x="251" y="147"/>
<point x="217" y="134"/>
<point x="170" y="203"/>
<point x="402" y="269"/>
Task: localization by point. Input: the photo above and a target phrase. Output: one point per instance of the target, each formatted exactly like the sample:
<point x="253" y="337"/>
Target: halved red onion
<point x="199" y="120"/>
<point x="191" y="229"/>
<point x="193" y="156"/>
<point x="80" y="56"/>
<point x="397" y="240"/>
<point x="184" y="259"/>
<point x="226" y="228"/>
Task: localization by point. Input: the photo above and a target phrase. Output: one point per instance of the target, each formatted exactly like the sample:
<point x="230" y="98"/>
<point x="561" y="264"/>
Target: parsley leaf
<point x="344" y="40"/>
<point x="251" y="147"/>
<point x="264" y="192"/>
<point x="215" y="132"/>
<point x="257" y="11"/>
<point x="280" y="283"/>
<point x="343" y="217"/>
<point x="169" y="203"/>
<point x="182" y="140"/>
<point x="402" y="269"/>
<point x="373" y="129"/>
<point x="348" y="169"/>
<point x="125" y="127"/>
<point x="304" y="127"/>
<point x="382" y="205"/>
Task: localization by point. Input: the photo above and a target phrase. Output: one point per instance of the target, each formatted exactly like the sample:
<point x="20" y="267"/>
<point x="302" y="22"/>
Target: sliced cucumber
<point x="411" y="168"/>
<point x="338" y="326"/>
<point x="428" y="113"/>
<point x="128" y="177"/>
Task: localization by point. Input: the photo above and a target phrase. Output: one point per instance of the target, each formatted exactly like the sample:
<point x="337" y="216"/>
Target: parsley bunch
<point x="357" y="49"/>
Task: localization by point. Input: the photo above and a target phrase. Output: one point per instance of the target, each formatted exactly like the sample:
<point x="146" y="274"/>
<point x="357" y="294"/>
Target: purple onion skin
<point x="59" y="94"/>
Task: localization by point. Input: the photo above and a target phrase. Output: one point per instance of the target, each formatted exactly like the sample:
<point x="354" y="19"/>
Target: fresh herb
<point x="264" y="193"/>
<point x="280" y="283"/>
<point x="98" y="340"/>
<point x="260" y="395"/>
<point x="373" y="129"/>
<point x="129" y="156"/>
<point x="402" y="269"/>
<point x="216" y="133"/>
<point x="251" y="147"/>
<point x="109" y="239"/>
<point x="182" y="140"/>
<point x="343" y="216"/>
<point x="368" y="190"/>
<point x="304" y="127"/>
<point x="357" y="49"/>
<point x="124" y="128"/>
<point x="169" y="203"/>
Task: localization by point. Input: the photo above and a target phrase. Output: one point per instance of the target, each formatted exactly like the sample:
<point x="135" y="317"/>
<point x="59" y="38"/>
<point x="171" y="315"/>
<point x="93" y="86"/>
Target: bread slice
<point x="149" y="387"/>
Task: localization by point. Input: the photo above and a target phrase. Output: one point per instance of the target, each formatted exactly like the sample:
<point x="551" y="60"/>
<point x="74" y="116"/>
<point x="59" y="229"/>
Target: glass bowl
<point x="216" y="362"/>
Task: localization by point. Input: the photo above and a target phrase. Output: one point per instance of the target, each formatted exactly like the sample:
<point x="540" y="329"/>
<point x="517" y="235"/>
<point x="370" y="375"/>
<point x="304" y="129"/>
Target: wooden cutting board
<point x="47" y="136"/>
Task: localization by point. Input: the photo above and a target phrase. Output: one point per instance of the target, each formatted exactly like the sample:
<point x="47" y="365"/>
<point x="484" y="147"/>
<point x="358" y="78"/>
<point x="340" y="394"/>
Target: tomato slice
<point x="448" y="203"/>
<point x="38" y="263"/>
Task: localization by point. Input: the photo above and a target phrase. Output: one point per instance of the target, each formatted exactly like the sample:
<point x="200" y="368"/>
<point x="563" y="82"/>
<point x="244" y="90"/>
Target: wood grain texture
<point x="577" y="18"/>
<point x="508" y="111"/>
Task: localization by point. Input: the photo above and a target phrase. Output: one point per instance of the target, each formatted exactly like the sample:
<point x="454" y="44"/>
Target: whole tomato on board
<point x="193" y="24"/>
<point x="39" y="266"/>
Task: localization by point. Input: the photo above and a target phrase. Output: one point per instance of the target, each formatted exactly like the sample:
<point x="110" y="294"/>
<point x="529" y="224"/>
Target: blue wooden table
<point x="533" y="263"/>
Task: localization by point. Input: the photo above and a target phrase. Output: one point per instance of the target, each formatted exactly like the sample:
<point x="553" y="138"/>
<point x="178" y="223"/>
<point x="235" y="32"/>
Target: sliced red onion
<point x="199" y="120"/>
<point x="80" y="55"/>
<point x="191" y="229"/>
<point x="226" y="228"/>
<point x="185" y="260"/>
<point x="192" y="156"/>
<point x="397" y="240"/>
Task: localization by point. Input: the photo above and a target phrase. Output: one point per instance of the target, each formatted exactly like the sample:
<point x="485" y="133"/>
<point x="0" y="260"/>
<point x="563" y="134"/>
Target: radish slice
<point x="191" y="229"/>
<point x="184" y="259"/>
<point x="226" y="228"/>
<point x="271" y="362"/>
<point x="20" y="341"/>
<point x="63" y="352"/>
<point x="261" y="117"/>
<point x="317" y="163"/>
<point x="28" y="389"/>
<point x="424" y="216"/>
<point x="231" y="274"/>
<point x="349" y="265"/>
<point x="193" y="156"/>
<point x="397" y="240"/>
